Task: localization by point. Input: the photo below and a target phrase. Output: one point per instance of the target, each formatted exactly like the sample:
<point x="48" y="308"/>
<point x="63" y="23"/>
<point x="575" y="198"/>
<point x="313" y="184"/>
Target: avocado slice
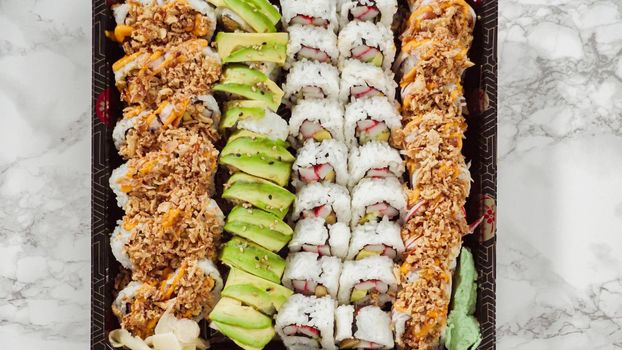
<point x="233" y="114"/>
<point x="260" y="218"/>
<point x="255" y="338"/>
<point x="257" y="20"/>
<point x="230" y="42"/>
<point x="253" y="259"/>
<point x="251" y="134"/>
<point x="264" y="167"/>
<point x="357" y="294"/>
<point x="265" y="53"/>
<point x="252" y="84"/>
<point x="250" y="295"/>
<point x="252" y="92"/>
<point x="266" y="238"/>
<point x="243" y="177"/>
<point x="277" y="293"/>
<point x="231" y="311"/>
<point x="269" y="197"/>
<point x="265" y="7"/>
<point x="241" y="74"/>
<point x="258" y="146"/>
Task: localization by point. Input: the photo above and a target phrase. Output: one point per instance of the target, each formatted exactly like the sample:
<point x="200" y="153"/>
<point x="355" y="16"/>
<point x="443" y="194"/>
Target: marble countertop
<point x="560" y="174"/>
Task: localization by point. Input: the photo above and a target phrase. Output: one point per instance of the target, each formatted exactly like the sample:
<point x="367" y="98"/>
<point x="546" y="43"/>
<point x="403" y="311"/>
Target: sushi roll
<point x="375" y="11"/>
<point x="123" y="301"/>
<point x="247" y="16"/>
<point x="311" y="43"/>
<point x="373" y="239"/>
<point x="369" y="281"/>
<point x="330" y="202"/>
<point x="325" y="161"/>
<point x="119" y="238"/>
<point x="115" y="181"/>
<point x="316" y="120"/>
<point x="366" y="328"/>
<point x="367" y="42"/>
<point x="374" y="199"/>
<point x="142" y="24"/>
<point x="307" y="322"/>
<point x="376" y="160"/>
<point x="318" y="13"/>
<point x="314" y="235"/>
<point x="254" y="118"/>
<point x="360" y="80"/>
<point x="371" y="119"/>
<point x="312" y="274"/>
<point x="311" y="80"/>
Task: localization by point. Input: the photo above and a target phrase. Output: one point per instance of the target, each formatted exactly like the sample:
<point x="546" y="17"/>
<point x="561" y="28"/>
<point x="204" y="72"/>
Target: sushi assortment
<point x="169" y="235"/>
<point x="433" y="57"/>
<point x="340" y="161"/>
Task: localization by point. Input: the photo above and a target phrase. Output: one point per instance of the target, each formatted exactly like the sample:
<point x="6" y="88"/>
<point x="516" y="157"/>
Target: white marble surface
<point x="560" y="174"/>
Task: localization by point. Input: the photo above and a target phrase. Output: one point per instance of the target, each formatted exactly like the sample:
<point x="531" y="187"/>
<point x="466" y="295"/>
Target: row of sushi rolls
<point x="343" y="181"/>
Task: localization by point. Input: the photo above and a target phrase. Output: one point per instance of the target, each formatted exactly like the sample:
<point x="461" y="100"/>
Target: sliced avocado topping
<point x="232" y="312"/>
<point x="278" y="293"/>
<point x="250" y="295"/>
<point x="264" y="167"/>
<point x="253" y="338"/>
<point x="242" y="177"/>
<point x="266" y="238"/>
<point x="241" y="74"/>
<point x="257" y="20"/>
<point x="265" y="53"/>
<point x="269" y="197"/>
<point x="230" y="42"/>
<point x="266" y="8"/>
<point x="253" y="92"/>
<point x="258" y="146"/>
<point x="260" y="218"/>
<point x="253" y="259"/>
<point x="251" y="134"/>
<point x="234" y="114"/>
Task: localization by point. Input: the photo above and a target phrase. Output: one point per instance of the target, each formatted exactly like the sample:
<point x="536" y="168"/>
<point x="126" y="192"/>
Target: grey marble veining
<point x="560" y="174"/>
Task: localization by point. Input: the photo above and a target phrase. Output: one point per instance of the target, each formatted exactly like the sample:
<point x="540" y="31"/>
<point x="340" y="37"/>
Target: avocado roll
<point x="314" y="235"/>
<point x="307" y="322"/>
<point x="376" y="239"/>
<point x="367" y="42"/>
<point x="311" y="80"/>
<point x="311" y="43"/>
<point x="375" y="199"/>
<point x="312" y="274"/>
<point x="325" y="161"/>
<point x="330" y="202"/>
<point x="371" y="119"/>
<point x="375" y="11"/>
<point x="318" y="13"/>
<point x="360" y="80"/>
<point x="316" y="119"/>
<point x="369" y="281"/>
<point x="364" y="328"/>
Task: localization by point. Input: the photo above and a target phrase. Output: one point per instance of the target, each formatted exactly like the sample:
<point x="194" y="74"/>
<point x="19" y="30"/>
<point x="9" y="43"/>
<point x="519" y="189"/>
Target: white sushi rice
<point x="387" y="8"/>
<point x="383" y="232"/>
<point x="271" y="125"/>
<point x="371" y="191"/>
<point x="120" y="130"/>
<point x="356" y="73"/>
<point x="325" y="9"/>
<point x="317" y="194"/>
<point x="374" y="155"/>
<point x="358" y="33"/>
<point x="315" y="231"/>
<point x="331" y="152"/>
<point x="119" y="238"/>
<point x="309" y="74"/>
<point x="378" y="108"/>
<point x="372" y="268"/>
<point x="327" y="112"/>
<point x="126" y="294"/>
<point x="118" y="174"/>
<point x="324" y="270"/>
<point x="311" y="37"/>
<point x="310" y="311"/>
<point x="210" y="269"/>
<point x="371" y="324"/>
